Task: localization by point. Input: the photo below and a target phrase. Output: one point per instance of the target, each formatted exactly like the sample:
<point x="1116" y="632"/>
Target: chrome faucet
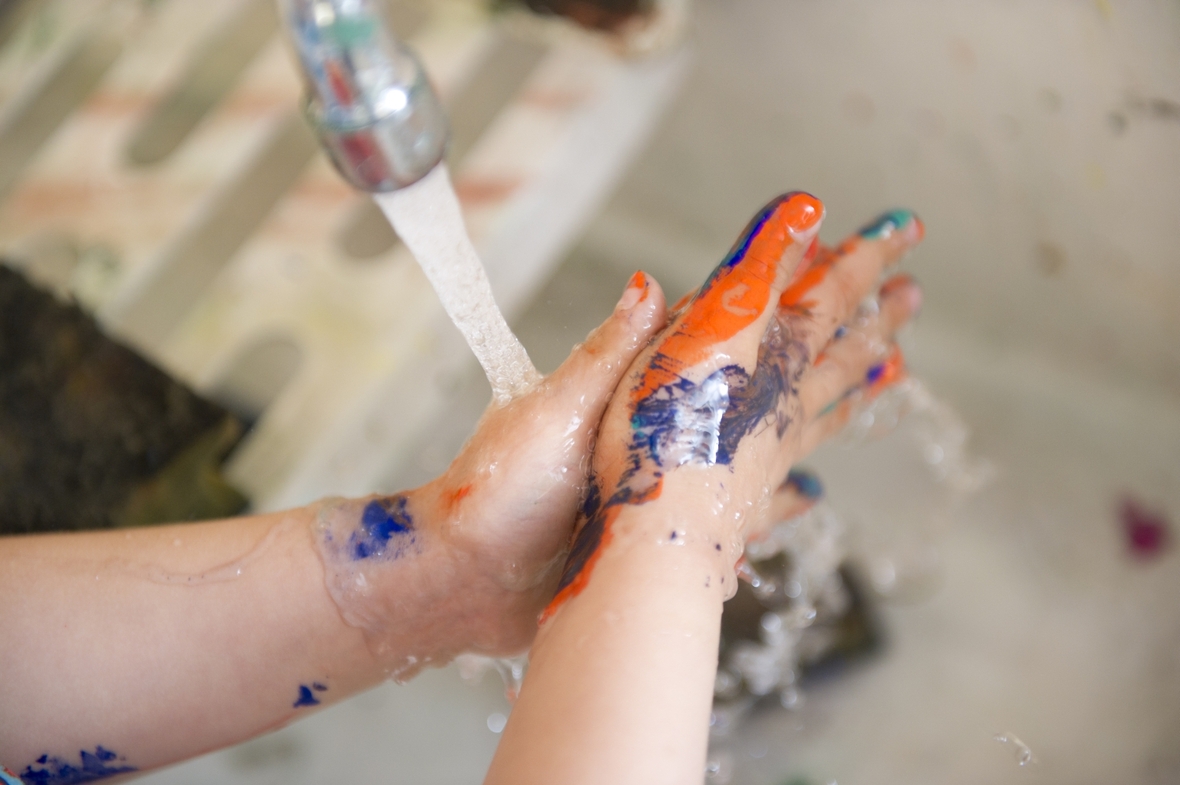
<point x="368" y="98"/>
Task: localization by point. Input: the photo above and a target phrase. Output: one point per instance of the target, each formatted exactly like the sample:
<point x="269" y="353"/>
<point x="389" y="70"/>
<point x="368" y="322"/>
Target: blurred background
<point x="155" y="174"/>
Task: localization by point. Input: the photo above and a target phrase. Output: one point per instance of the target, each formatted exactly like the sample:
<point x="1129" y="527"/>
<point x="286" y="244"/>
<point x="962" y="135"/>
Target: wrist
<point x="387" y="571"/>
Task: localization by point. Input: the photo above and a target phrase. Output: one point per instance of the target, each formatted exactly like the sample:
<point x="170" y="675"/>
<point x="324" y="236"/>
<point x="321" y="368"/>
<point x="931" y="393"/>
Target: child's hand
<point x="746" y="379"/>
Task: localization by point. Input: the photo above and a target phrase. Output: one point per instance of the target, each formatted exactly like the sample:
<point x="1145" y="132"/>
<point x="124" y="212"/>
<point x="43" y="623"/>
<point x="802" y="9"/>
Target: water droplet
<point x="496" y="722"/>
<point x="1020" y="751"/>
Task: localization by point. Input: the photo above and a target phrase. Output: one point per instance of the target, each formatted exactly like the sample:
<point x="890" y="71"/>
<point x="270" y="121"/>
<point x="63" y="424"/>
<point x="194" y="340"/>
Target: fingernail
<point x="805" y="483"/>
<point x="800" y="212"/>
<point x="635" y="292"/>
<point x="913" y="292"/>
<point x="891" y="222"/>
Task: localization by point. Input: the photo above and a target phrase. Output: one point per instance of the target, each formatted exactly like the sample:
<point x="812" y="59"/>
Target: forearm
<point x="620" y="679"/>
<point x="162" y="643"/>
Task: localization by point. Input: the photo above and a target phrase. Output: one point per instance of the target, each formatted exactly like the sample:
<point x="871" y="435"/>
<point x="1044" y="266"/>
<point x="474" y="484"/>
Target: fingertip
<point x="643" y="305"/>
<point x="805" y="483"/>
<point x="903" y="288"/>
<point x="802" y="214"/>
<point x="599" y="362"/>
<point x="893" y="223"/>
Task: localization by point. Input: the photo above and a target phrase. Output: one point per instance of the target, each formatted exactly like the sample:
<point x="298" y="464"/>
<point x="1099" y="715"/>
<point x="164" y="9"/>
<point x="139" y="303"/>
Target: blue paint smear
<point x="92" y="766"/>
<point x="841" y="331"/>
<point x="380" y="521"/>
<point x="805" y="483"/>
<point x="875" y="373"/>
<point x="589" y="536"/>
<point x="306" y="697"/>
<point x="886" y="224"/>
<point x="754" y="400"/>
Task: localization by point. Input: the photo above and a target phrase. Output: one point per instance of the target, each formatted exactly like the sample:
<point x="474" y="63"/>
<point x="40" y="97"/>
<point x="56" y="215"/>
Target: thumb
<point x="595" y="366"/>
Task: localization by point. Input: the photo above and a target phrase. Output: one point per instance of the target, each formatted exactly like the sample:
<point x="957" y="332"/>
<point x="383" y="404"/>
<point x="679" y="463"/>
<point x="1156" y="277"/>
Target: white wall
<point x="1040" y="142"/>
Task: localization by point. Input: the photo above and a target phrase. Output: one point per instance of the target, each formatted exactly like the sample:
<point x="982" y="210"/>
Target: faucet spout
<point x="368" y="98"/>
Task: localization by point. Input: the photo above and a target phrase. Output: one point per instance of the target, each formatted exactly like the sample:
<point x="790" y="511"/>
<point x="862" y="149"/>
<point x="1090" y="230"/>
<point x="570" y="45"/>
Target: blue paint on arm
<point x="306" y="697"/>
<point x="91" y="766"/>
<point x="381" y="521"/>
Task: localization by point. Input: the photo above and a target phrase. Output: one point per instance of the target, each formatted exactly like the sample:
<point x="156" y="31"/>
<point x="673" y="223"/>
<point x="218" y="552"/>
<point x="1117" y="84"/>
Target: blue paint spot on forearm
<point x="307" y="695"/>
<point x="91" y="766"/>
<point x="382" y="520"/>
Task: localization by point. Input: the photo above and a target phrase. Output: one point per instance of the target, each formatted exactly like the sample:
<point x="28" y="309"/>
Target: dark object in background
<point x="607" y="15"/>
<point x="829" y="644"/>
<point x="91" y="434"/>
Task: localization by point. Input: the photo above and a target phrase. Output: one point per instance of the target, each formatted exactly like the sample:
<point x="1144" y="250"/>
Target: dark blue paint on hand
<point x="91" y="766"/>
<point x="307" y="697"/>
<point x="381" y="521"/>
<point x="805" y="484"/>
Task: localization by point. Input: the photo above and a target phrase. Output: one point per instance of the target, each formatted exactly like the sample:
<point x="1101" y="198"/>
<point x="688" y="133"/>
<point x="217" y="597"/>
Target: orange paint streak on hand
<point x="813" y="276"/>
<point x="575" y="587"/>
<point x="737" y="293"/>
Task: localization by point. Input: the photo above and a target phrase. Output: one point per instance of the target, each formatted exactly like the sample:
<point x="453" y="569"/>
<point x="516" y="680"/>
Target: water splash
<point x="427" y="217"/>
<point x="1024" y="756"/>
<point x="472" y="667"/>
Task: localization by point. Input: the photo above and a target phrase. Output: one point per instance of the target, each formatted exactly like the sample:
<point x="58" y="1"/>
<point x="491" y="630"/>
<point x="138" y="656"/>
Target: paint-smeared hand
<point x="763" y="363"/>
<point x="510" y="499"/>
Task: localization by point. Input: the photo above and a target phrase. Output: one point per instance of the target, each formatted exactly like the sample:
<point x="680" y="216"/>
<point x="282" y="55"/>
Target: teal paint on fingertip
<point x="886" y="224"/>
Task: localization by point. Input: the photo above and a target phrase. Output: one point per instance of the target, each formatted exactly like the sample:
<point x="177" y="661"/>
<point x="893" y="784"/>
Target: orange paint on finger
<point x="737" y="292"/>
<point x="451" y="498"/>
<point x="639" y="281"/>
<point x="887" y="373"/>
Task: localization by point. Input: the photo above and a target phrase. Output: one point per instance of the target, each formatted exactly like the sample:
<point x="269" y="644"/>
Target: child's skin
<point x="104" y="642"/>
<point x="96" y="651"/>
<point x="709" y="418"/>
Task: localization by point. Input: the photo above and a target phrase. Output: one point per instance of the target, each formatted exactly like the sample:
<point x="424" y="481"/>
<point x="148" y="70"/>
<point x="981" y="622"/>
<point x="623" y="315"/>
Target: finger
<point x="832" y="420"/>
<point x="595" y="366"/>
<point x="798" y="494"/>
<point x="845" y="363"/>
<point x="828" y="293"/>
<point x="740" y="294"/>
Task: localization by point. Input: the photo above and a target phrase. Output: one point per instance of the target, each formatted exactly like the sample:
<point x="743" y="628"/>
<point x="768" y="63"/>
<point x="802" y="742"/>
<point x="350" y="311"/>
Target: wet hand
<point x="765" y="361"/>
